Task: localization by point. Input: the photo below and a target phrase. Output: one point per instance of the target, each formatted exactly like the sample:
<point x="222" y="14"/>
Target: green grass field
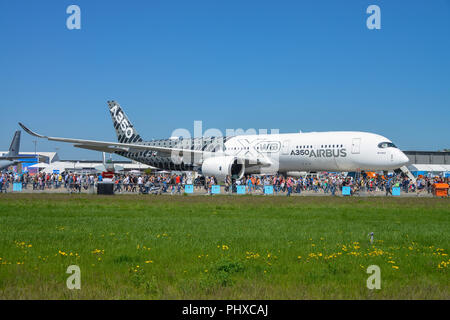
<point x="222" y="247"/>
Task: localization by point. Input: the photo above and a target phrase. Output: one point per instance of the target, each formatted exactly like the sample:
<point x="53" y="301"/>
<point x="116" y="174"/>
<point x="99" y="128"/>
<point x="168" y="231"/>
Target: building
<point x="47" y="157"/>
<point x="28" y="163"/>
<point x="50" y="162"/>
<point x="88" y="166"/>
<point x="429" y="163"/>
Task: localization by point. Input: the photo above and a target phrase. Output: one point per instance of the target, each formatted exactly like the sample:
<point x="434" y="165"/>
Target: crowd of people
<point x="332" y="183"/>
<point x="327" y="183"/>
<point x="47" y="181"/>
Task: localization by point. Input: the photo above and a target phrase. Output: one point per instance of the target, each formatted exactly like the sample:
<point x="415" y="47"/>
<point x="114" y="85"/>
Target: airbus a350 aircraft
<point x="243" y="154"/>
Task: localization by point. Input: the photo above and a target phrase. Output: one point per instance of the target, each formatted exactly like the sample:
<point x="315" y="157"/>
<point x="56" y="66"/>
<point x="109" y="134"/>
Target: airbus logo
<point x="321" y="153"/>
<point x="123" y="123"/>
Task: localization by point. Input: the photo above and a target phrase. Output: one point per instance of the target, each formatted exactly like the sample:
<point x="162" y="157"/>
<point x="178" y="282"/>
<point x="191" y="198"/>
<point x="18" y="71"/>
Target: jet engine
<point x="222" y="166"/>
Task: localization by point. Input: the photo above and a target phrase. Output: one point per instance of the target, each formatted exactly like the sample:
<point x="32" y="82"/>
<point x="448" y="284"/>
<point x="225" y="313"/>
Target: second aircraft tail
<point x="15" y="145"/>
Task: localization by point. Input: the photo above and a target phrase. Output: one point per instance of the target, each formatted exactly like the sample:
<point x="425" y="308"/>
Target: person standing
<point x="178" y="183"/>
<point x="289" y="186"/>
<point x="227" y="183"/>
<point x="389" y="187"/>
<point x="140" y="183"/>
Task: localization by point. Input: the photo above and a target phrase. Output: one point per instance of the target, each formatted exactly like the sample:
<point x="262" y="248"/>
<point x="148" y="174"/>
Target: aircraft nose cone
<point x="403" y="159"/>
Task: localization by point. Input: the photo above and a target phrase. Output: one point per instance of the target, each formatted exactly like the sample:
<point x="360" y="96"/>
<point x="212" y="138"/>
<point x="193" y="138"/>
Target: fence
<point x="168" y="188"/>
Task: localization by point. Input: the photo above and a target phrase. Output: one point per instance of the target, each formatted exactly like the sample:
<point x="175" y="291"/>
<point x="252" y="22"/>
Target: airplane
<point x="12" y="157"/>
<point x="234" y="156"/>
<point x="108" y="166"/>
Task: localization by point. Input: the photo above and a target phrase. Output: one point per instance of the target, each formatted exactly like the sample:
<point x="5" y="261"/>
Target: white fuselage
<point x="320" y="151"/>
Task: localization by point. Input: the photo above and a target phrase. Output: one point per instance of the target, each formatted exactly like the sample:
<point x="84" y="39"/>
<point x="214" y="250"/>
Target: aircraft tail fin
<point x="126" y="133"/>
<point x="15" y="145"/>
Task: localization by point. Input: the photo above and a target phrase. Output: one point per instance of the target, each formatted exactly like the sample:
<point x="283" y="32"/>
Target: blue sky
<point x="292" y="65"/>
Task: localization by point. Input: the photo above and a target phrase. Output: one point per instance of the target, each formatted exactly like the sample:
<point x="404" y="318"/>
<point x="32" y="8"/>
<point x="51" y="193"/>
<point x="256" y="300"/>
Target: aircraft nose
<point x="402" y="158"/>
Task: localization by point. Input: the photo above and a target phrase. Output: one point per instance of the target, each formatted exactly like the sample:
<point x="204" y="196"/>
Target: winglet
<point x="31" y="132"/>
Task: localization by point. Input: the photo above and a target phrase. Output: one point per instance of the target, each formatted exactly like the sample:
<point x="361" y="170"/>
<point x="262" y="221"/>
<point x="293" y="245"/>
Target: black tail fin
<point x="126" y="133"/>
<point x="15" y="145"/>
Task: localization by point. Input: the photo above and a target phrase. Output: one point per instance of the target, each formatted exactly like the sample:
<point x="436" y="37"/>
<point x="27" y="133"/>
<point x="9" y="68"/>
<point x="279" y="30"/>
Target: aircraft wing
<point x="107" y="146"/>
<point x="111" y="147"/>
<point x="12" y="158"/>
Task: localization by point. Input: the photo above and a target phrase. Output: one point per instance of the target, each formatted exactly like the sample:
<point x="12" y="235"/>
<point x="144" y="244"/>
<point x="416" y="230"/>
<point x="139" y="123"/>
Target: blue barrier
<point x="346" y="191"/>
<point x="240" y="189"/>
<point x="189" y="188"/>
<point x="17" y="186"/>
<point x="215" y="189"/>
<point x="396" y="191"/>
<point x="268" y="189"/>
<point x="417" y="173"/>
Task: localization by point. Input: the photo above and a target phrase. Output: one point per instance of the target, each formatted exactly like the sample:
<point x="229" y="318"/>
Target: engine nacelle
<point x="220" y="167"/>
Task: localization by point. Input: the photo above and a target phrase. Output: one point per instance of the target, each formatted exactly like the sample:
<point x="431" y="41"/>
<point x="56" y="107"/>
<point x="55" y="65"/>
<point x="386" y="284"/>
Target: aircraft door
<point x="390" y="154"/>
<point x="356" y="145"/>
<point x="285" y="147"/>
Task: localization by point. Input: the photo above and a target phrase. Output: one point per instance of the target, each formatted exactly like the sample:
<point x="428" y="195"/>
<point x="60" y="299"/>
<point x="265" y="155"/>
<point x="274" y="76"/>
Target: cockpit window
<point x="383" y="145"/>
